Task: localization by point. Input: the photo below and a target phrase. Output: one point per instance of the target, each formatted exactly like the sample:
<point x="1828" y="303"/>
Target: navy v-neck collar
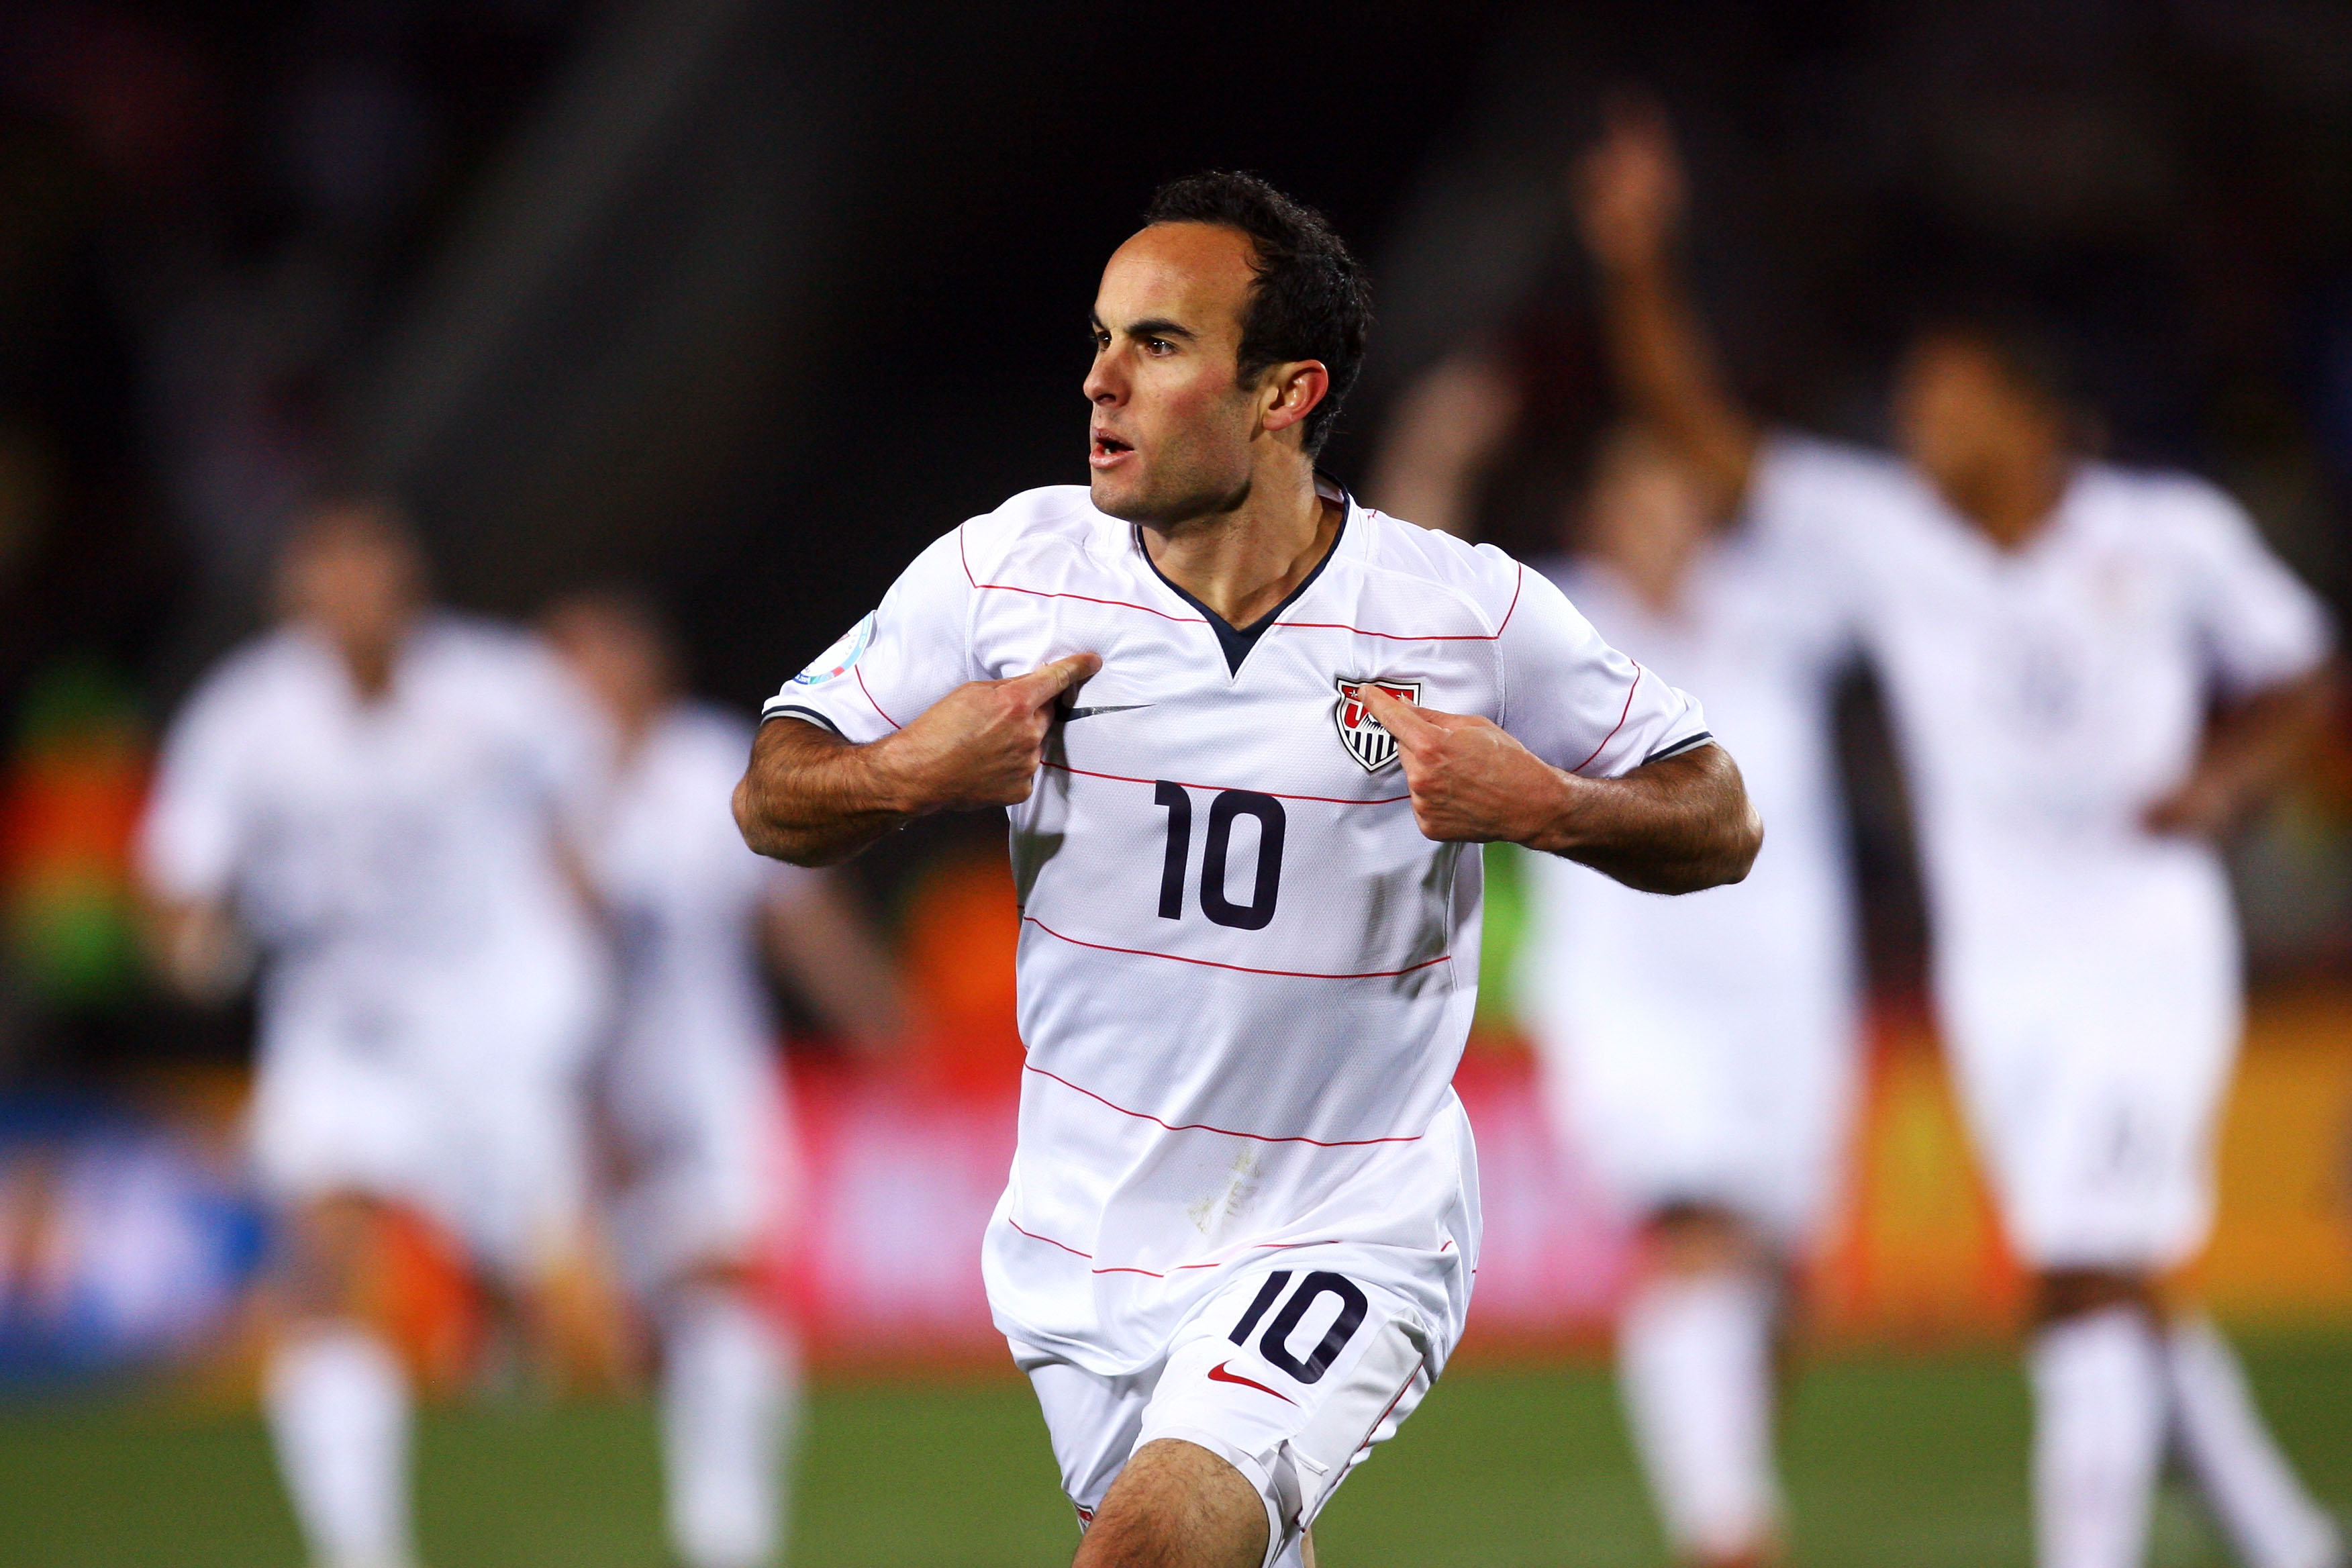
<point x="1237" y="641"/>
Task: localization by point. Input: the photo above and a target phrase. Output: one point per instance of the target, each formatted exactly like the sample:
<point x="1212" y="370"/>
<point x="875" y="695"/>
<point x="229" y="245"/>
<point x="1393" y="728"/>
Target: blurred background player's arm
<point x="826" y="947"/>
<point x="1628" y="192"/>
<point x="2249" y="748"/>
<point x="1447" y="429"/>
<point x="198" y="947"/>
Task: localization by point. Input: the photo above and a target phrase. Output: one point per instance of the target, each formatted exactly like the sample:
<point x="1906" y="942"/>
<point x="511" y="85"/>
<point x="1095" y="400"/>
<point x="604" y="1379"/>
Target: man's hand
<point x="1445" y="430"/>
<point x="2199" y="806"/>
<point x="979" y="745"/>
<point x="2247" y="751"/>
<point x="815" y="799"/>
<point x="199" y="948"/>
<point x="1471" y="781"/>
<point x="1671" y="827"/>
<point x="1628" y="190"/>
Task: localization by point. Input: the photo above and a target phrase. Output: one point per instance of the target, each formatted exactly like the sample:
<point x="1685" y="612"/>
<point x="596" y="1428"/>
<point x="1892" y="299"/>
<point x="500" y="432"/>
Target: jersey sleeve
<point x="913" y="649"/>
<point x="2259" y="625"/>
<point x="1579" y="703"/>
<point x="194" y="827"/>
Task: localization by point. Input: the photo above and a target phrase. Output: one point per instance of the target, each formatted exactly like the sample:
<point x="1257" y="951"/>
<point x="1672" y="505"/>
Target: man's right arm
<point x="815" y="799"/>
<point x="1629" y="196"/>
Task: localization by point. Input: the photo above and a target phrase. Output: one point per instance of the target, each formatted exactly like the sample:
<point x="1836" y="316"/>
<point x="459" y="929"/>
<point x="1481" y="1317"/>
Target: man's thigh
<point x="328" y="1121"/>
<point x="1292" y="1375"/>
<point x="2099" y="1158"/>
<point x="705" y="1145"/>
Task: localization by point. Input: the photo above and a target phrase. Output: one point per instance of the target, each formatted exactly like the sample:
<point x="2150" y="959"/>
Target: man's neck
<point x="2013" y="506"/>
<point x="632" y="727"/>
<point x="373" y="668"/>
<point x="1243" y="562"/>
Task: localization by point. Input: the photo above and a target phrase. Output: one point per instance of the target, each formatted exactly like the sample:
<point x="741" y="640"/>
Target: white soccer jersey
<point x="425" y="966"/>
<point x="692" y="1081"/>
<point x="1700" y="1049"/>
<point x="1246" y="976"/>
<point x="2087" y="970"/>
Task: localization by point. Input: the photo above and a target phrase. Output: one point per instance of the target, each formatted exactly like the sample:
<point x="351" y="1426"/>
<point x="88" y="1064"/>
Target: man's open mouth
<point x="1108" y="446"/>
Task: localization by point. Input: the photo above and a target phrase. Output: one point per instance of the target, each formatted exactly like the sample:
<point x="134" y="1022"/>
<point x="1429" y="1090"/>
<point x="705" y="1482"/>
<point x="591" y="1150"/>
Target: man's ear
<point x="1289" y="392"/>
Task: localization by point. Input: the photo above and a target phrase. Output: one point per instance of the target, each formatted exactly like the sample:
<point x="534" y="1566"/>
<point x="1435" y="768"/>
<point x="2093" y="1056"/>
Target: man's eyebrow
<point x="1157" y="327"/>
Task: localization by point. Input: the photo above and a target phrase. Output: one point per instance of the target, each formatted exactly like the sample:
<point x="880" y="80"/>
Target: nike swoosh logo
<point x="1218" y="1374"/>
<point x="1072" y="715"/>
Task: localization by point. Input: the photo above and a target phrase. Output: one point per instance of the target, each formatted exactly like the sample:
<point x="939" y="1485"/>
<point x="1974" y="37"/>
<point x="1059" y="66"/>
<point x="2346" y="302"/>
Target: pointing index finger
<point x="1048" y="681"/>
<point x="1398" y="717"/>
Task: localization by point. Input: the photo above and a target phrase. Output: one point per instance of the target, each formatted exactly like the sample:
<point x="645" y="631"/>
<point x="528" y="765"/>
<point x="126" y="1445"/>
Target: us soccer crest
<point x="1361" y="733"/>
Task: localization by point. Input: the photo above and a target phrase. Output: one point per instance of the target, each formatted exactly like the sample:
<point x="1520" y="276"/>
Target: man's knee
<point x="2063" y="1293"/>
<point x="326" y="1250"/>
<point x="1687" y="1238"/>
<point x="1177" y="1505"/>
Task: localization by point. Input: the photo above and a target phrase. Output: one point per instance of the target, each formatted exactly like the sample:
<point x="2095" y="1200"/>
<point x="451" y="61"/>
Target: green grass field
<point x="1916" y="1462"/>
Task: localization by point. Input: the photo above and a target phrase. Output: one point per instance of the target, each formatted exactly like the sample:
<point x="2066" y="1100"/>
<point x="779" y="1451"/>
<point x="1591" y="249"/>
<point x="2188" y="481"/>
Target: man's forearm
<point x="815" y="799"/>
<point x="2249" y="750"/>
<point x="1666" y="366"/>
<point x="1673" y="826"/>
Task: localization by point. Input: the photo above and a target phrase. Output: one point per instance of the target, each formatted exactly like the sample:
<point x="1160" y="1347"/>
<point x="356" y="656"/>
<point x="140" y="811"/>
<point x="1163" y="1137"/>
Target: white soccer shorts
<point x="704" y="1128"/>
<point x="499" y="1160"/>
<point x="1292" y="1375"/>
<point x="1699" y="1109"/>
<point x="2099" y="1155"/>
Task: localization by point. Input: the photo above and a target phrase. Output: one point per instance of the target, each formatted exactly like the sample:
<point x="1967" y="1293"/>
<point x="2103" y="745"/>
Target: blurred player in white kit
<point x="1245" y="727"/>
<point x="1700" y="1053"/>
<point x="691" y="1086"/>
<point x="2093" y="672"/>
<point x="381" y="798"/>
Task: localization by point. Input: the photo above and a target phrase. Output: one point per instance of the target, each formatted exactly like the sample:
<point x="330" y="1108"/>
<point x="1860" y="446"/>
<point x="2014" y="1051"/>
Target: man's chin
<point x="1115" y="496"/>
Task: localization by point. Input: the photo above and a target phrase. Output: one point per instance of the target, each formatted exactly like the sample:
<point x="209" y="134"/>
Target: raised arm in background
<point x="1435" y="448"/>
<point x="1628" y="192"/>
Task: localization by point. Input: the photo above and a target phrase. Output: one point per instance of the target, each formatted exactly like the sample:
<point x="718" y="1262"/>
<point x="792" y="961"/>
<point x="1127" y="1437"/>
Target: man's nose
<point x="1104" y="385"/>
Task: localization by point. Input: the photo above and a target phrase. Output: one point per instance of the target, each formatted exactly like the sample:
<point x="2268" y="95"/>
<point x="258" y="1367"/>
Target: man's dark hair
<point x="1310" y="301"/>
<point x="2033" y="346"/>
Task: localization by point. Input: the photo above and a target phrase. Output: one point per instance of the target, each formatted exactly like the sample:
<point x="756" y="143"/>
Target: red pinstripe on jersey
<point x="964" y="557"/>
<point x="1621" y="719"/>
<point x="1278" y="795"/>
<point x="1205" y="1127"/>
<point x="878" y="707"/>
<point x="1254" y="1247"/>
<point x="1517" y="584"/>
<point x="1239" y="968"/>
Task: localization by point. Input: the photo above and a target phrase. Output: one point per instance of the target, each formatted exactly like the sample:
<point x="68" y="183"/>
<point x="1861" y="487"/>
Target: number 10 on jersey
<point x="1223" y="807"/>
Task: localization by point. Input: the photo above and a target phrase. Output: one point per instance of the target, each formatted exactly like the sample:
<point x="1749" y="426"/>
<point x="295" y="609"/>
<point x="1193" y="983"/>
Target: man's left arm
<point x="2267" y="637"/>
<point x="2249" y="748"/>
<point x="1678" y="824"/>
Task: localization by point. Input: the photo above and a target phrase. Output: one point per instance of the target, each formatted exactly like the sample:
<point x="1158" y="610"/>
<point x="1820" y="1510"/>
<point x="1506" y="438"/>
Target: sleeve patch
<point x="841" y="658"/>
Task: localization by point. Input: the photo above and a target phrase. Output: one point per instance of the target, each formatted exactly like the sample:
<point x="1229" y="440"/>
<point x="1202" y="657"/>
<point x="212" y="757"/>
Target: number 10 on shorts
<point x="1275" y="1344"/>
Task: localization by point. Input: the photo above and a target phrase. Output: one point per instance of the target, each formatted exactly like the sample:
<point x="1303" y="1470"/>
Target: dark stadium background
<point x="746" y="301"/>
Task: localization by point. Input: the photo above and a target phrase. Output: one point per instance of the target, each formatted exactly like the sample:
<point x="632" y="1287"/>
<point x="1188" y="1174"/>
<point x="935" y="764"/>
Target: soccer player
<point x="1246" y="728"/>
<point x="2093" y="673"/>
<point x="378" y="796"/>
<point x="1699" y="1052"/>
<point x="691" y="1085"/>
